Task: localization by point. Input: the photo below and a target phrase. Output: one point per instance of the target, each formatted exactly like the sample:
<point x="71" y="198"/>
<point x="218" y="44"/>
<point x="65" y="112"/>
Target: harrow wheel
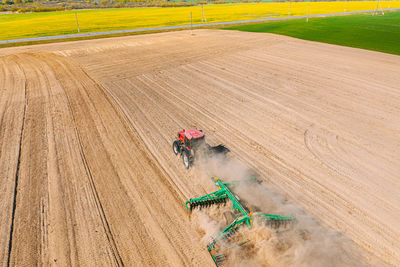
<point x="229" y="217"/>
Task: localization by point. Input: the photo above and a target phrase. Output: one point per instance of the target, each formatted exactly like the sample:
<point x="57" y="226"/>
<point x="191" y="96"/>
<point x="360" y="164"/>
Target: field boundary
<point x="89" y="34"/>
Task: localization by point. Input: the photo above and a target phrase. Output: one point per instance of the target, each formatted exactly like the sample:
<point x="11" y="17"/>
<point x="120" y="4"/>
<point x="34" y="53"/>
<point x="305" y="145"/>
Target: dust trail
<point x="306" y="243"/>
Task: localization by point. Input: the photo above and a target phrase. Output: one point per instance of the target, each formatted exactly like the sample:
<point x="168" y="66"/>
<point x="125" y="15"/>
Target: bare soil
<point x="87" y="173"/>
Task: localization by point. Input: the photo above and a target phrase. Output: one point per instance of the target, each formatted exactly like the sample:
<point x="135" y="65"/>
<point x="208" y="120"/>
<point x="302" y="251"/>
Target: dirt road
<point x="86" y="131"/>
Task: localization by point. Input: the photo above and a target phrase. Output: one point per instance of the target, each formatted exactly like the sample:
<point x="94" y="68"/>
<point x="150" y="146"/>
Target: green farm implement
<point x="243" y="216"/>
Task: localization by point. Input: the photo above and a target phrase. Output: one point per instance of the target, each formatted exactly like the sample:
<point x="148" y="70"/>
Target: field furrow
<point x="98" y="183"/>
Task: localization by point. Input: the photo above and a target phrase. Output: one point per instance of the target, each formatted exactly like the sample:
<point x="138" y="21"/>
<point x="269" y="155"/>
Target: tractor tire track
<point x="14" y="206"/>
<point x="12" y="112"/>
<point x="106" y="226"/>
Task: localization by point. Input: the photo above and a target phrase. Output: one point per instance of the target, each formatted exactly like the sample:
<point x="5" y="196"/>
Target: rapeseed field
<point x="15" y="26"/>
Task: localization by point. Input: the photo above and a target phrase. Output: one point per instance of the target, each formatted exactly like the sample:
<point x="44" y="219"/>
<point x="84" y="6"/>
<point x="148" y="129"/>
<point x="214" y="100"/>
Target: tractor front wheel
<point x="175" y="147"/>
<point x="185" y="158"/>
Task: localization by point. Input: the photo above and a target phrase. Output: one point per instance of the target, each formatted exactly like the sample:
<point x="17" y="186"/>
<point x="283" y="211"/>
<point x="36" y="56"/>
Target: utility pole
<point x="77" y="24"/>
<point x="203" y="16"/>
<point x="378" y="5"/>
<point x="191" y="23"/>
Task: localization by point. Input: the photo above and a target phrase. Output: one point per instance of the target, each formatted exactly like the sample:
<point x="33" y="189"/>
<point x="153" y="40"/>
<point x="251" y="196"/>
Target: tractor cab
<point x="191" y="138"/>
<point x="192" y="143"/>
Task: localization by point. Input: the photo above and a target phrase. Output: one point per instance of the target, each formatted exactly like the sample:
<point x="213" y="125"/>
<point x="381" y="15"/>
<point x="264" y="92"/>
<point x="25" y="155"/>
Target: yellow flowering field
<point x="15" y="26"/>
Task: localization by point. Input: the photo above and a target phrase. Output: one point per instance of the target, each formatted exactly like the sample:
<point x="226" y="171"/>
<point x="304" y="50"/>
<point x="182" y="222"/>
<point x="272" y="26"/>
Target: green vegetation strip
<point x="378" y="33"/>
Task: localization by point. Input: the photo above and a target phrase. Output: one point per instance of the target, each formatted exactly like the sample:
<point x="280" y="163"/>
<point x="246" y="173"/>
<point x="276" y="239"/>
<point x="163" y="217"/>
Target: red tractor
<point x="191" y="143"/>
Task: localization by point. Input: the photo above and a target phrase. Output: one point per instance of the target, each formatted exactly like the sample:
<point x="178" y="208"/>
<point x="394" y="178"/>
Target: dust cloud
<point x="304" y="243"/>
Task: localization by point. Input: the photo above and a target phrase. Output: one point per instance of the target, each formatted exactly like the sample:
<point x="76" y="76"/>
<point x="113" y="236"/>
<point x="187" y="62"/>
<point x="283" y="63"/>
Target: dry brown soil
<point x="87" y="174"/>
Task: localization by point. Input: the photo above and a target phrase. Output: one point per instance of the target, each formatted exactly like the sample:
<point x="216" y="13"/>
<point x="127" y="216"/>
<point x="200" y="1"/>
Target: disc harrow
<point x="243" y="216"/>
<point x="207" y="202"/>
<point x="217" y="197"/>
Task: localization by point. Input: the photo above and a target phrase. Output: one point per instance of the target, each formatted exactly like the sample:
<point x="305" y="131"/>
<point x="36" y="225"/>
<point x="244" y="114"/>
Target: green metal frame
<point x="245" y="217"/>
<point x="219" y="196"/>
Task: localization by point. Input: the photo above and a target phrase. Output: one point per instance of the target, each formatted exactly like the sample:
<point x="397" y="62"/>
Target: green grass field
<point x="378" y="33"/>
<point x="16" y="26"/>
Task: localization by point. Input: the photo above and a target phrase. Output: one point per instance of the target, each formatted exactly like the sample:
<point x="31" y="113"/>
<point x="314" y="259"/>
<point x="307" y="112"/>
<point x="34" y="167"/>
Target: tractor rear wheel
<point x="185" y="158"/>
<point x="175" y="147"/>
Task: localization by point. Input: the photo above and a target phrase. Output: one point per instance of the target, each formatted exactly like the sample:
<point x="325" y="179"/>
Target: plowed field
<point x="87" y="173"/>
